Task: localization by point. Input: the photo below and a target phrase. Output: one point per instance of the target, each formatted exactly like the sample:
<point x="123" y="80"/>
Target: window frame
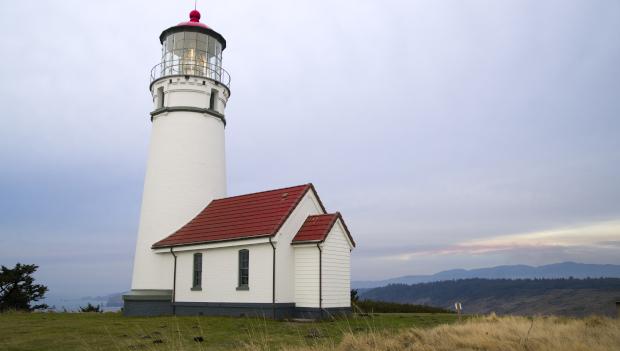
<point x="160" y="98"/>
<point x="213" y="100"/>
<point x="197" y="272"/>
<point x="243" y="270"/>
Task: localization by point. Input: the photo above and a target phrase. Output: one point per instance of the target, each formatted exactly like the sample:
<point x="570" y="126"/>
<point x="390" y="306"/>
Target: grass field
<point x="112" y="331"/>
<point x="492" y="333"/>
<point x="395" y="332"/>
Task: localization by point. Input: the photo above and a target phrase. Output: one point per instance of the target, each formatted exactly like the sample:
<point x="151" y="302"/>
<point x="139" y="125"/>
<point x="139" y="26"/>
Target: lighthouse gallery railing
<point x="190" y="68"/>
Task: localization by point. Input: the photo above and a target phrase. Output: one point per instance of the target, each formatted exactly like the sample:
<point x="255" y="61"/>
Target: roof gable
<point x="240" y="217"/>
<point x="317" y="227"/>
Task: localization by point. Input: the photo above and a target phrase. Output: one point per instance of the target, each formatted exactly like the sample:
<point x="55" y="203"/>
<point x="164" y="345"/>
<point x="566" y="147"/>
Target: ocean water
<point x="73" y="304"/>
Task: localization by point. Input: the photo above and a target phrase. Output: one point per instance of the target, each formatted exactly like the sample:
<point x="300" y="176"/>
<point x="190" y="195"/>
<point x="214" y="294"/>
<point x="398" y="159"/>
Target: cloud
<point x="593" y="235"/>
<point x="613" y="243"/>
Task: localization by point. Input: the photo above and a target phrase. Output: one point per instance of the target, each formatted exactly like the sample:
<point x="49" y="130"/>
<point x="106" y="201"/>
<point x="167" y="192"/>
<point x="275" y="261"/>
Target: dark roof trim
<point x="346" y="229"/>
<point x="181" y="28"/>
<point x="317" y="197"/>
<point x="306" y="242"/>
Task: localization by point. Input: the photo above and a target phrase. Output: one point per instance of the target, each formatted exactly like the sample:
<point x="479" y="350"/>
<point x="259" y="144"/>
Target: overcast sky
<point x="448" y="133"/>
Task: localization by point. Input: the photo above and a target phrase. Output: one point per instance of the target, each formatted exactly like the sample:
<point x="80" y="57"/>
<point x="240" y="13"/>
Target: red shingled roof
<point x="239" y="217"/>
<point x="316" y="228"/>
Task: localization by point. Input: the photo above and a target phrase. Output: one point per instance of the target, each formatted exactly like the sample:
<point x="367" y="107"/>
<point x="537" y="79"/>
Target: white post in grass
<point x="458" y="307"/>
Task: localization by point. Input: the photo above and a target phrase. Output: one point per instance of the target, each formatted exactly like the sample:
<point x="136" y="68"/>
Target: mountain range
<point x="550" y="271"/>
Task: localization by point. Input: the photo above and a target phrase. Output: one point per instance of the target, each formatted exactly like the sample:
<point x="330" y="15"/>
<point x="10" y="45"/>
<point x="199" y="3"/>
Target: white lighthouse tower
<point x="186" y="165"/>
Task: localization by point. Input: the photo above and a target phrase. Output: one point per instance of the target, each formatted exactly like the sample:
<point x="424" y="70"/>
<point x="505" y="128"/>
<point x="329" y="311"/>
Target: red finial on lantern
<point x="194" y="20"/>
<point x="194" y="16"/>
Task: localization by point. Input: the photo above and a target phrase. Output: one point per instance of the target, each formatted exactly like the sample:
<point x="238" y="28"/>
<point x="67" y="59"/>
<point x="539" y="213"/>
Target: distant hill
<point x="110" y="302"/>
<point x="115" y="300"/>
<point x="571" y="297"/>
<point x="556" y="270"/>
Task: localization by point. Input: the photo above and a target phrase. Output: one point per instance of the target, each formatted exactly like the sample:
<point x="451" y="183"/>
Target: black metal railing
<point x="190" y="68"/>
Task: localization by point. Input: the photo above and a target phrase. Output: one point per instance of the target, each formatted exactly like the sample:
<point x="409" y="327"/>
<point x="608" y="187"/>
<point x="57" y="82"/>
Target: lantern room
<point x="191" y="49"/>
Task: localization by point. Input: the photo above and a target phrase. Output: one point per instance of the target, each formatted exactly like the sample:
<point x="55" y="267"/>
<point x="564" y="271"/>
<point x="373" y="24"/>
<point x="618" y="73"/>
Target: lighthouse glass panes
<point x="192" y="53"/>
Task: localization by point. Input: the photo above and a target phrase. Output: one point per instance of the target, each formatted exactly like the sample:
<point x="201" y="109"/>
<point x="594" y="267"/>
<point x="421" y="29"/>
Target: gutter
<point x="174" y="283"/>
<point x="318" y="246"/>
<point x="273" y="280"/>
<point x="212" y="242"/>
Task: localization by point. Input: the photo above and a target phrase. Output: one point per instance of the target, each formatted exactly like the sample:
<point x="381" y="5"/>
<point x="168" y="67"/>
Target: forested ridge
<point x="562" y="296"/>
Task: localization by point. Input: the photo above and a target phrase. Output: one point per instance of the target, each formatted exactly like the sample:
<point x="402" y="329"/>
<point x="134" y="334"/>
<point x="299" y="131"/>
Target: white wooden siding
<point x="336" y="268"/>
<point x="220" y="275"/>
<point x="306" y="276"/>
<point x="285" y="258"/>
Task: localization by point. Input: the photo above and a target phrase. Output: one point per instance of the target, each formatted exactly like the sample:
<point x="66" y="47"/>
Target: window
<point x="213" y="100"/>
<point x="244" y="269"/>
<point x="197" y="278"/>
<point x="160" y="97"/>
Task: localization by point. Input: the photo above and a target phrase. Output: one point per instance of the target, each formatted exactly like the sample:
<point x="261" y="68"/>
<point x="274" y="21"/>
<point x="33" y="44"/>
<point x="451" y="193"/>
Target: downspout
<point x="273" y="280"/>
<point x="318" y="245"/>
<point x="174" y="283"/>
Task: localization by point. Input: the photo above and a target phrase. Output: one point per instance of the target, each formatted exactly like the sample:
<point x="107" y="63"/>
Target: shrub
<point x="368" y="306"/>
<point x="91" y="308"/>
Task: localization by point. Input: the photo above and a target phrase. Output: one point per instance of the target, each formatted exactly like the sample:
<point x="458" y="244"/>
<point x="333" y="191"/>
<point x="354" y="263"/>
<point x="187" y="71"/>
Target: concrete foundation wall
<point x="261" y="310"/>
<point x="147" y="308"/>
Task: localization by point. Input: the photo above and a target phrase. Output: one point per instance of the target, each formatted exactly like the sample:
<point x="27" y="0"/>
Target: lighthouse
<point x="186" y="166"/>
<point x="274" y="253"/>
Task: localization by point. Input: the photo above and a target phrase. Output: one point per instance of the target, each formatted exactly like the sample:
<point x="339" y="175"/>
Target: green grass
<point x="112" y="331"/>
<point x="393" y="307"/>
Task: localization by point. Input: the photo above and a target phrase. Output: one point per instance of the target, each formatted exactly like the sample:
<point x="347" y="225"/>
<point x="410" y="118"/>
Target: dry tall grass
<point x="495" y="333"/>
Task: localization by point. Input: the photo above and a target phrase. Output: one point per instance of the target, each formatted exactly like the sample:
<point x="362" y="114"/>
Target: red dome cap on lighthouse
<point x="194" y="20"/>
<point x="194" y="16"/>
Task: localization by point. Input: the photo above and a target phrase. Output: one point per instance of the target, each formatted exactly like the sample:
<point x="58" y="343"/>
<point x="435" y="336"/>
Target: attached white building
<point x="275" y="253"/>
